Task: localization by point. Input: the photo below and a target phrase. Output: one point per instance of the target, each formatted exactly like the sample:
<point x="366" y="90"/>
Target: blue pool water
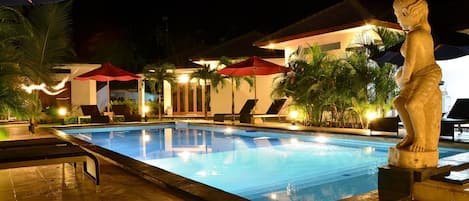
<point x="256" y="165"/>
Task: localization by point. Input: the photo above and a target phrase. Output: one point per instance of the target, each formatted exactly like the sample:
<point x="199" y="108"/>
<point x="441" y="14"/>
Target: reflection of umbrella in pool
<point x="107" y="72"/>
<point x="251" y="67"/>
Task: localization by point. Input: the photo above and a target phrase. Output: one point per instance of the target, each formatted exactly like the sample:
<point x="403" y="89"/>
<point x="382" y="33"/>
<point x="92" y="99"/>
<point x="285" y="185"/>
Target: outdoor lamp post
<point x="62" y="112"/>
<point x="293" y="116"/>
<point x="146" y="109"/>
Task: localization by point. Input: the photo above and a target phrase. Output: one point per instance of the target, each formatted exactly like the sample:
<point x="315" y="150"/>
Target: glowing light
<point x="273" y="196"/>
<point x="369" y="150"/>
<point x="185" y="155"/>
<point x="59" y="87"/>
<point x="146" y="138"/>
<point x="151" y="70"/>
<point x="146" y="109"/>
<point x="184" y="78"/>
<point x="61" y="84"/>
<point x="293" y="127"/>
<point x="271" y="46"/>
<point x="228" y="130"/>
<point x="321" y="139"/>
<point x="202" y="173"/>
<point x="62" y="111"/>
<point x="371" y="115"/>
<point x="294" y="141"/>
<point x="293" y="114"/>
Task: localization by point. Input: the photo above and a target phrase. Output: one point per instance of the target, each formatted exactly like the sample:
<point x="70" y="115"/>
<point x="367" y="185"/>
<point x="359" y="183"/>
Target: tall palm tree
<point x="36" y="42"/>
<point x="207" y="74"/>
<point x="156" y="75"/>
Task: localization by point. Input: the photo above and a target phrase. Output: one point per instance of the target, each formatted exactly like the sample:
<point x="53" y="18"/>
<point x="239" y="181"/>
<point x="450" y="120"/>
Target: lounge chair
<point x="244" y="114"/>
<point x="93" y="112"/>
<point x="34" y="152"/>
<point x="273" y="110"/>
<point x="33" y="142"/>
<point x="387" y="124"/>
<point x="459" y="114"/>
<point x="124" y="110"/>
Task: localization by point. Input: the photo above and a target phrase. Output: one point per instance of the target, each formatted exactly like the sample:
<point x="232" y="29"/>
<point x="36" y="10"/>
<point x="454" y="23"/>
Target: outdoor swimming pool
<point x="256" y="165"/>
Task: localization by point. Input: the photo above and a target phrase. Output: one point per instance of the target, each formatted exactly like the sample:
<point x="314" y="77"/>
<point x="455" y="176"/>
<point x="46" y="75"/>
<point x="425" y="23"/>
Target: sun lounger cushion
<point x="14" y="156"/>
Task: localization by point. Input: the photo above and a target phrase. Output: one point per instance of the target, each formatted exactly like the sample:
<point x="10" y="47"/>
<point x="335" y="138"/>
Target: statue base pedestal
<point x="396" y="180"/>
<point x="408" y="159"/>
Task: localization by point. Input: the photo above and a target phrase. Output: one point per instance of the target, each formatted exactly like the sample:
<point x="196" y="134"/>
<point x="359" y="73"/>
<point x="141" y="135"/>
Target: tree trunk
<point x="159" y="102"/>
<point x="206" y="102"/>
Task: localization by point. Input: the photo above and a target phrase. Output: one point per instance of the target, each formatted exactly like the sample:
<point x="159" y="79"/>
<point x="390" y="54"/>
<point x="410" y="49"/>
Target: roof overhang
<point x="281" y="43"/>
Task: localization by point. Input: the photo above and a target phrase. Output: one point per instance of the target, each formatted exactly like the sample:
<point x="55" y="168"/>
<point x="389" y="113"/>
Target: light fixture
<point x="293" y="116"/>
<point x="146" y="109"/>
<point x="62" y="112"/>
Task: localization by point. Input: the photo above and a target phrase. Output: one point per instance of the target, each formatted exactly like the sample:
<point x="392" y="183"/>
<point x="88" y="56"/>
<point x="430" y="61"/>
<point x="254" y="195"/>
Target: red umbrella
<point x="107" y="72"/>
<point x="251" y="67"/>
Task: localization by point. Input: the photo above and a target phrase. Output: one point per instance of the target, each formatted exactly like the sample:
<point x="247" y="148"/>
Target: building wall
<point x="83" y="92"/>
<point x="347" y="38"/>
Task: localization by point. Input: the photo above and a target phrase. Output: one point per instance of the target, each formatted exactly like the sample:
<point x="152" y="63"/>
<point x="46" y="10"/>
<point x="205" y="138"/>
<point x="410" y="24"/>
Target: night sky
<point x="157" y="31"/>
<point x="133" y="33"/>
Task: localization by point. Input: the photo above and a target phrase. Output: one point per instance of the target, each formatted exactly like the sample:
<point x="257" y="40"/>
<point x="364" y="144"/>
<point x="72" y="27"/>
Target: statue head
<point x="411" y="13"/>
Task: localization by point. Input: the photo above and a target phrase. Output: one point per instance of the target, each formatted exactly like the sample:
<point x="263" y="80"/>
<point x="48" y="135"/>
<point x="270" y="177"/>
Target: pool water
<point x="253" y="164"/>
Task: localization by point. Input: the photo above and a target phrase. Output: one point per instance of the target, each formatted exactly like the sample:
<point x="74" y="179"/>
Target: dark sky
<point x="155" y="29"/>
<point x="187" y="22"/>
<point x="211" y="17"/>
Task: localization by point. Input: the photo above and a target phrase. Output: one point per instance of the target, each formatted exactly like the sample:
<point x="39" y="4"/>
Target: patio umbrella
<point x="251" y="67"/>
<point x="446" y="52"/>
<point x="107" y="72"/>
<point x="442" y="52"/>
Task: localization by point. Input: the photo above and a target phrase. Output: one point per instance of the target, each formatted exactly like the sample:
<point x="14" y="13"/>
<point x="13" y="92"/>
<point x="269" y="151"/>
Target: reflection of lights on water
<point x="294" y="141"/>
<point x="273" y="196"/>
<point x="146" y="138"/>
<point x="185" y="155"/>
<point x="369" y="150"/>
<point x="321" y="139"/>
<point x="203" y="173"/>
<point x="293" y="127"/>
<point x="228" y="130"/>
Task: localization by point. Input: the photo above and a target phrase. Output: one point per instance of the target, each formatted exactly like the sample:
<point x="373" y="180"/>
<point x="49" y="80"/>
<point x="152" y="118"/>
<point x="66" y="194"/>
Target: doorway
<point x="189" y="98"/>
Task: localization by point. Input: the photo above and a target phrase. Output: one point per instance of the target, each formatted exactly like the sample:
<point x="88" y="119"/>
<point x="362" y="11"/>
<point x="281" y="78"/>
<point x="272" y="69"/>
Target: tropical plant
<point x="360" y="85"/>
<point x="381" y="87"/>
<point x="206" y="73"/>
<point x="35" y="43"/>
<point x="156" y="75"/>
<point x="308" y="83"/>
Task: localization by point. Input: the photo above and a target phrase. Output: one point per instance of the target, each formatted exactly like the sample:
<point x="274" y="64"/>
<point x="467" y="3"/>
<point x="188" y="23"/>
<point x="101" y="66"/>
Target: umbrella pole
<point x="232" y="101"/>
<point x="255" y="90"/>
<point x="108" y="97"/>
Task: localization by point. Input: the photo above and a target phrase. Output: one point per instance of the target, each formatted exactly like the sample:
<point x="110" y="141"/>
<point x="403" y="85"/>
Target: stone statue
<point x="419" y="100"/>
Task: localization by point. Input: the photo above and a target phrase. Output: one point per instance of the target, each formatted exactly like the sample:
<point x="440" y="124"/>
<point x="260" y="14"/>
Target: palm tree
<point x="207" y="74"/>
<point x="308" y="83"/>
<point x="156" y="75"/>
<point x="35" y="43"/>
<point x="235" y="80"/>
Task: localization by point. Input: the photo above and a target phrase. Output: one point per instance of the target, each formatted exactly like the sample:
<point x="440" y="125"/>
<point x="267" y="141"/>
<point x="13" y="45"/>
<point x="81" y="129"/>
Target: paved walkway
<point x="63" y="183"/>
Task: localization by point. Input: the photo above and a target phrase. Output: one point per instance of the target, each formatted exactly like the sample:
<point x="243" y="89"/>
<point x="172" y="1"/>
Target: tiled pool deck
<point x="62" y="182"/>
